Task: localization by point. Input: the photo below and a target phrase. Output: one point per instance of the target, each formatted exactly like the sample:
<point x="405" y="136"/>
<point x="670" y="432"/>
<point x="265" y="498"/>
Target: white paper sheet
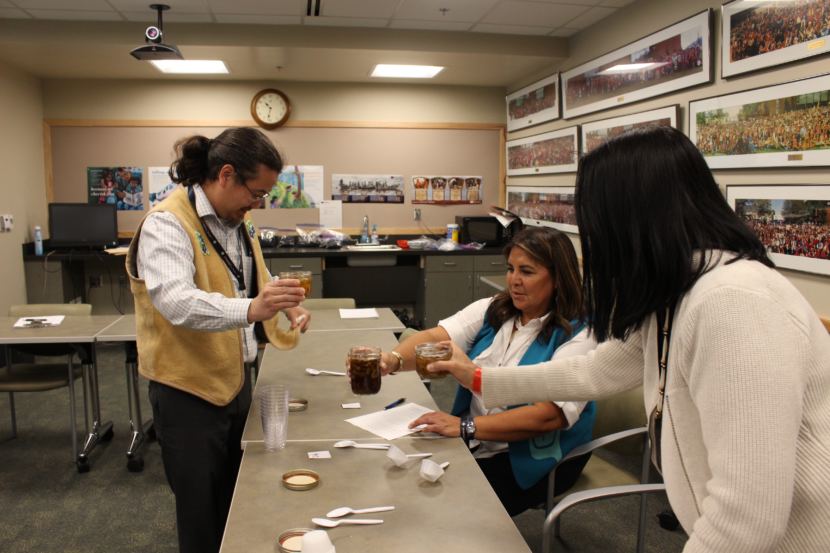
<point x="331" y="214"/>
<point x="34" y="322"/>
<point x="367" y="313"/>
<point x="390" y="423"/>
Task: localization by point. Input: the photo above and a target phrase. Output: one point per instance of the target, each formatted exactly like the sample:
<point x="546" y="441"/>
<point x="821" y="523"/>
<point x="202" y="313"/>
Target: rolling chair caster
<point x="135" y="464"/>
<point x="668" y="521"/>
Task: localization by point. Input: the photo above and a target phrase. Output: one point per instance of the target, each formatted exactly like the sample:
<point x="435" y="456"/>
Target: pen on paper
<point x="395" y="403"/>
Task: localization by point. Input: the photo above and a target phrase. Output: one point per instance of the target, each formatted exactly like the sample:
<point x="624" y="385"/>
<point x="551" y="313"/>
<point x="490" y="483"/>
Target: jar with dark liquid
<point x="364" y="369"/>
<point x="429" y="352"/>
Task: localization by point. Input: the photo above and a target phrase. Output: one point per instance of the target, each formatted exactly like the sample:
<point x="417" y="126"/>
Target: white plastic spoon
<point x="350" y="443"/>
<point x="333" y="523"/>
<point x="316" y="372"/>
<point x="343" y="511"/>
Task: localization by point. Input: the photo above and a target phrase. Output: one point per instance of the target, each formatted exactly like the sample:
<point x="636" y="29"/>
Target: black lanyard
<point x="236" y="271"/>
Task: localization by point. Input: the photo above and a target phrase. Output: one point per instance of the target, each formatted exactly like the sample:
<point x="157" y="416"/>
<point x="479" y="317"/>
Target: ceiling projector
<point x="155" y="49"/>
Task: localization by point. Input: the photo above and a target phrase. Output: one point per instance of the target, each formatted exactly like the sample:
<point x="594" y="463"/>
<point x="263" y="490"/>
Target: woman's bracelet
<point x="476" y="385"/>
<point x="399" y="357"/>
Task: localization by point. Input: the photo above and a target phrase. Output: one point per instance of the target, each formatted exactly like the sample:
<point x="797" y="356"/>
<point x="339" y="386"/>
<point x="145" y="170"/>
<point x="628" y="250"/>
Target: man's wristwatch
<point x="399" y="357"/>
<point x="468" y="429"/>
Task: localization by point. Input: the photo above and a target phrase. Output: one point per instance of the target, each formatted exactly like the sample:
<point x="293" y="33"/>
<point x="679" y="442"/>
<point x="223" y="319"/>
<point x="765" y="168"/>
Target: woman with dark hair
<point x="734" y="362"/>
<point x="538" y="317"/>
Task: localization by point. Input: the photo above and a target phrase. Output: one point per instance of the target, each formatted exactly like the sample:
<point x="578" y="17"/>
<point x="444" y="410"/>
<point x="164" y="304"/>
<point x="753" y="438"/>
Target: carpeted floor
<point x="47" y="507"/>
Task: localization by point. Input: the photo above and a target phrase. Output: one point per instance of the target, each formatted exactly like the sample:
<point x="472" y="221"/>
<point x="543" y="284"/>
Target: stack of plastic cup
<point x="272" y="400"/>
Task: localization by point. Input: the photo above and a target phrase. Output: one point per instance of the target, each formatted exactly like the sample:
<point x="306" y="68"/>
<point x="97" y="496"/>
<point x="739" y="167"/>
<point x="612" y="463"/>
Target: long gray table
<point x="328" y="320"/>
<point x="324" y="417"/>
<point x="73" y="330"/>
<point x="458" y="514"/>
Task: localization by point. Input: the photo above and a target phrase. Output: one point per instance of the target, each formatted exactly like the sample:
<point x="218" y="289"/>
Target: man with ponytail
<point x="204" y="299"/>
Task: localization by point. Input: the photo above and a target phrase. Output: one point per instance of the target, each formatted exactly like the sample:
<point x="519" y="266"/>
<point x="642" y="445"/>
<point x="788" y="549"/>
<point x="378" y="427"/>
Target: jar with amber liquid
<point x="429" y="352"/>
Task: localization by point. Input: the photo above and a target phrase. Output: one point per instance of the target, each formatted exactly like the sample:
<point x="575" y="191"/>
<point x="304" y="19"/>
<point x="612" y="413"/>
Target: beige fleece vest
<point x="206" y="364"/>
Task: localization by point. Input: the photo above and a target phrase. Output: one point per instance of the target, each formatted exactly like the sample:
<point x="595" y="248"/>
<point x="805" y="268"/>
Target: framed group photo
<point x="792" y="221"/>
<point x="785" y="125"/>
<point x="533" y="104"/>
<point x="551" y="206"/>
<point x="677" y="57"/>
<point x="550" y="152"/>
<point x="756" y="35"/>
<point x="597" y="133"/>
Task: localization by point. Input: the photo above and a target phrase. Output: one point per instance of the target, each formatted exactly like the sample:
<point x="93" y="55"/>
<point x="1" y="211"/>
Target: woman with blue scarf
<point x="537" y="318"/>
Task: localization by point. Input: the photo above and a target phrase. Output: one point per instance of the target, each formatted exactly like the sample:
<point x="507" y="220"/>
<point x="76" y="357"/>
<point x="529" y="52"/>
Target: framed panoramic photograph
<point x="756" y="35"/>
<point x="533" y="104"/>
<point x="793" y="222"/>
<point x="785" y="125"/>
<point x="550" y="152"/>
<point x="551" y="206"/>
<point x="677" y="57"/>
<point x="596" y="133"/>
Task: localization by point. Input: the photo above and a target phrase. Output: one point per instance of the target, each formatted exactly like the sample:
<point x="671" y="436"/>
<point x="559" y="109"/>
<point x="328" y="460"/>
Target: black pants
<point x="201" y="451"/>
<point x="499" y="473"/>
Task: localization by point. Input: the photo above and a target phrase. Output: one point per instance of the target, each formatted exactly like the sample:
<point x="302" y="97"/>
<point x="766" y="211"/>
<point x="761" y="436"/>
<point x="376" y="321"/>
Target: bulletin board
<point x="409" y="151"/>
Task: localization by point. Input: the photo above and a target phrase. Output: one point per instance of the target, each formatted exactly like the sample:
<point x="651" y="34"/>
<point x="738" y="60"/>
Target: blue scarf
<point x="533" y="459"/>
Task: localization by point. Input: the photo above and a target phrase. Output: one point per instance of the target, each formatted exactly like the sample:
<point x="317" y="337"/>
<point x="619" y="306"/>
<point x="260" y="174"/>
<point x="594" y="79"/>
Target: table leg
<point x="141" y="431"/>
<point x="100" y="431"/>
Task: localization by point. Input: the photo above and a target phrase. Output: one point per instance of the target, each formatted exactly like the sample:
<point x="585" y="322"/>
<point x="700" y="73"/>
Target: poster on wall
<point x="550" y="152"/>
<point x="551" y="206"/>
<point x="674" y="58"/>
<point x="785" y="125"/>
<point x="119" y="186"/>
<point x="765" y="34"/>
<point x="367" y="188"/>
<point x="534" y="104"/>
<point x="447" y="190"/>
<point x="792" y="221"/>
<point x="597" y="133"/>
<point x="297" y="186"/>
<point x="160" y="185"/>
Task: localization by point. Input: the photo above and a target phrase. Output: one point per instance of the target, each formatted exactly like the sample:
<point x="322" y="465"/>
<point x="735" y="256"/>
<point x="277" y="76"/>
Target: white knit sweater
<point x="746" y="428"/>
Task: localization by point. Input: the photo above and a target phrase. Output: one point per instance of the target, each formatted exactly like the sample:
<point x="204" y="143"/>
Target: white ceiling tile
<point x="150" y="17"/>
<point x="532" y="14"/>
<point x="590" y="17"/>
<point x="430" y="25"/>
<point x="563" y="32"/>
<point x="5" y="4"/>
<point x="100" y="5"/>
<point x="12" y="13"/>
<point x="323" y="21"/>
<point x="510" y="29"/>
<point x="571" y="2"/>
<point x="176" y="6"/>
<point x="260" y="19"/>
<point x="77" y="15"/>
<point x="358" y="8"/>
<point x="458" y="10"/>
<point x="260" y="7"/>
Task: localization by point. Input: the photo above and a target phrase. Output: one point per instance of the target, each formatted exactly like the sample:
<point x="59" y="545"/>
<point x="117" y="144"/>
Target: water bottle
<point x="375" y="235"/>
<point x="38" y="241"/>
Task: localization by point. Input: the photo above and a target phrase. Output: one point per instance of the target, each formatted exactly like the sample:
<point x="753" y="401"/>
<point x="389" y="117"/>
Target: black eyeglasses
<point x="256" y="195"/>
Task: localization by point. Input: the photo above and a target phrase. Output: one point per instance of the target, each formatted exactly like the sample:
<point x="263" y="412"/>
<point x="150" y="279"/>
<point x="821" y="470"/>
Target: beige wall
<point x="229" y="103"/>
<point x="22" y="191"/>
<point x="643" y="18"/>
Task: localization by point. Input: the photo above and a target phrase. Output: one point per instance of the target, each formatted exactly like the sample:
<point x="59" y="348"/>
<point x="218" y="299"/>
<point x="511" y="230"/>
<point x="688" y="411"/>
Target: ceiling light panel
<point x="385" y="70"/>
<point x="191" y="67"/>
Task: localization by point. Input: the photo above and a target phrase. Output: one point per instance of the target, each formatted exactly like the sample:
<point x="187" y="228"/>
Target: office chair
<point x="620" y="420"/>
<point x="40" y="377"/>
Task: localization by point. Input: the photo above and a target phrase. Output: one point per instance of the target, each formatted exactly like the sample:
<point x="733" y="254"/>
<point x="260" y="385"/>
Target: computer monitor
<point x="82" y="226"/>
